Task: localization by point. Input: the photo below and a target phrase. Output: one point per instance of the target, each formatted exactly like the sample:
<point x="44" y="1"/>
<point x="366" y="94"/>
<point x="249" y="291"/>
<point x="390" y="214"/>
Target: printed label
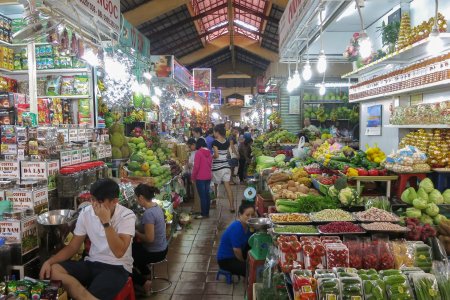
<point x="33" y="170"/>
<point x="85" y="154"/>
<point x="8" y="149"/>
<point x="73" y="135"/>
<point x="20" y="200"/>
<point x="76" y="157"/>
<point x="65" y="158"/>
<point x="9" y="169"/>
<point x="81" y="135"/>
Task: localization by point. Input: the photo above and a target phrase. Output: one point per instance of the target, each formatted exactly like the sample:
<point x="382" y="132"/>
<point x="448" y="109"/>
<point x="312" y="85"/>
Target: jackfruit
<point x="117" y="140"/>
<point x="116" y="153"/>
<point x="125" y="151"/>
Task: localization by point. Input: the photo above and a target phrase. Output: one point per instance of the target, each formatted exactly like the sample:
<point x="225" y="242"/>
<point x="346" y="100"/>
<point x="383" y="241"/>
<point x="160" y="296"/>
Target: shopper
<point x="244" y="158"/>
<point x="221" y="167"/>
<point x="151" y="236"/>
<point x="234" y="156"/>
<point x="209" y="139"/>
<point x="110" y="228"/>
<point x="233" y="247"/>
<point x="197" y="133"/>
<point x="309" y="127"/>
<point x="190" y="165"/>
<point x="201" y="176"/>
<point x="211" y="126"/>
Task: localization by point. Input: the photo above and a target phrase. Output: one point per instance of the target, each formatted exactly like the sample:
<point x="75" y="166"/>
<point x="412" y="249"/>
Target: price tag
<point x="73" y="135"/>
<point x="10" y="149"/>
<point x="34" y="170"/>
<point x="108" y="151"/>
<point x="101" y="151"/>
<point x="89" y="134"/>
<point x="65" y="158"/>
<point x="76" y="157"/>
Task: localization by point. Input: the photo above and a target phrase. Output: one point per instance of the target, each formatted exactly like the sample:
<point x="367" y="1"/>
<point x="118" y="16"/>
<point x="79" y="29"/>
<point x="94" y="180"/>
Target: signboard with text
<point x="182" y="75"/>
<point x="134" y="39"/>
<point x="106" y="11"/>
<point x="289" y="18"/>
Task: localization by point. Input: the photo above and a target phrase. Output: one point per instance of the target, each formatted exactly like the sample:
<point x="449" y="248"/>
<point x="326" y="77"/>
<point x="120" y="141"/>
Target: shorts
<point x="234" y="162"/>
<point x="222" y="175"/>
<point x="104" y="281"/>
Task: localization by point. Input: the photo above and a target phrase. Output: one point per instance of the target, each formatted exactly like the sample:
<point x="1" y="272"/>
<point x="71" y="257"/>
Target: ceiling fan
<point x="38" y="25"/>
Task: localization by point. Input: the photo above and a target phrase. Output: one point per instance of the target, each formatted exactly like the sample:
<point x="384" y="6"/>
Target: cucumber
<point x="395" y="279"/>
<point x="350" y="280"/>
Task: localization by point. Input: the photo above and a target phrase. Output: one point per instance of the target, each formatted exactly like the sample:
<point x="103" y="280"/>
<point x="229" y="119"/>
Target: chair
<point x="228" y="276"/>
<point x="127" y="292"/>
<point x="151" y="266"/>
<point x="412" y="178"/>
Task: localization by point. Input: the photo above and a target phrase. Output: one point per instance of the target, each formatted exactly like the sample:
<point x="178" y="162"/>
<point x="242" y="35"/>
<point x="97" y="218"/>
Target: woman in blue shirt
<point x="151" y="234"/>
<point x="233" y="247"/>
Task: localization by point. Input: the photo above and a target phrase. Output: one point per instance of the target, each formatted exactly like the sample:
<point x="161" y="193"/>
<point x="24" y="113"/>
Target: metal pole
<point x="32" y="78"/>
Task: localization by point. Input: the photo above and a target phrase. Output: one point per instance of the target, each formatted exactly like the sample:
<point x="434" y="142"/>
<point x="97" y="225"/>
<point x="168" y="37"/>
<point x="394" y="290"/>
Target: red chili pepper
<point x="296" y="246"/>
<point x="285" y="247"/>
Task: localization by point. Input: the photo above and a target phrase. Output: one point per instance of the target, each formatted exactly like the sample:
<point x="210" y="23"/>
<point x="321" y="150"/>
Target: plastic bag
<point x="53" y="86"/>
<point x="403" y="255"/>
<point x="81" y="85"/>
<point x="328" y="289"/>
<point x="397" y="287"/>
<point x="442" y="273"/>
<point x="351" y="288"/>
<point x="67" y="83"/>
<point x="425" y="286"/>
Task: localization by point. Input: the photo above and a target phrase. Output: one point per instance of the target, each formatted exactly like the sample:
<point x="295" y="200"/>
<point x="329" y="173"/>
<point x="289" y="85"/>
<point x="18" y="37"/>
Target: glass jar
<point x="69" y="182"/>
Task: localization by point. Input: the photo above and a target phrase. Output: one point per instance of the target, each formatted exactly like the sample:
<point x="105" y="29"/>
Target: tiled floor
<point x="192" y="258"/>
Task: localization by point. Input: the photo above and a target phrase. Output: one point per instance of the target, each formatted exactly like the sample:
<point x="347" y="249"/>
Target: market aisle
<point x="192" y="258"/>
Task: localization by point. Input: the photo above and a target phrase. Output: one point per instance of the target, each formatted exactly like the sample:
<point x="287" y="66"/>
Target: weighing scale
<point x="250" y="191"/>
<point x="260" y="241"/>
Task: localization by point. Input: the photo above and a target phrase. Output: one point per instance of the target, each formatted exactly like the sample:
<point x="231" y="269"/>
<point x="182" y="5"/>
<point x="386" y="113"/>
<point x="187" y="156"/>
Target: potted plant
<point x="389" y="35"/>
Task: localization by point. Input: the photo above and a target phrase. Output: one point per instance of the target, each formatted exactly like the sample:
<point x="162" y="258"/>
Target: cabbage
<point x="425" y="219"/>
<point x="422" y="194"/>
<point x="432" y="210"/>
<point x="409" y="195"/>
<point x="446" y="195"/>
<point x="436" y="197"/>
<point x="412" y="212"/>
<point x="280" y="158"/>
<point x="420" y="203"/>
<point x="346" y="196"/>
<point x="439" y="218"/>
<point x="332" y="191"/>
<point x="264" y="162"/>
<point x="427" y="185"/>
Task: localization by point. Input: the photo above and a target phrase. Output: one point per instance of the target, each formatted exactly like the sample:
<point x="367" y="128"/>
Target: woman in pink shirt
<point x="201" y="176"/>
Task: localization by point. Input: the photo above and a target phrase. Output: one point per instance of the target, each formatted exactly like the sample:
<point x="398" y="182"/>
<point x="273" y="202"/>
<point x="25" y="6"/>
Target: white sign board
<point x="294" y="105"/>
<point x="289" y="18"/>
<point x="106" y="11"/>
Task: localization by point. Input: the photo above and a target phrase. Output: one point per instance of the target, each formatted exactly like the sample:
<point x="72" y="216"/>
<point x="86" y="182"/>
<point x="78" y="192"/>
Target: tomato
<point x="292" y="238"/>
<point x="290" y="257"/>
<point x="382" y="172"/>
<point x="319" y="250"/>
<point x="362" y="172"/>
<point x="286" y="267"/>
<point x="285" y="247"/>
<point x="373" y="172"/>
<point x="296" y="246"/>
<point x="308" y="249"/>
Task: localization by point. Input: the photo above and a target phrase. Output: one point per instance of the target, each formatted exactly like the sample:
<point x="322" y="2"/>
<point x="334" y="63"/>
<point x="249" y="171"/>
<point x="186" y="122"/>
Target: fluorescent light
<point x="322" y="62"/>
<point x="147" y="75"/>
<point x="322" y="89"/>
<point x="91" y="58"/>
<point x="333" y="84"/>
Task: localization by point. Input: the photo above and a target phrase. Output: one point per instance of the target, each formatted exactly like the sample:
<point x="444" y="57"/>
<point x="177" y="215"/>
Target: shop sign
<point x="101" y="151"/>
<point x="39" y="169"/>
<point x="65" y="158"/>
<point x="76" y="157"/>
<point x="85" y="155"/>
<point x="20" y="231"/>
<point x="161" y="66"/>
<point x="289" y="18"/>
<point x="10" y="230"/>
<point x="202" y="79"/>
<point x="134" y="39"/>
<point x="108" y="150"/>
<point x="9" y="170"/>
<point x="89" y="134"/>
<point x="181" y="74"/>
<point x="107" y="11"/>
<point x="40" y="197"/>
<point x="20" y="199"/>
<point x="215" y="97"/>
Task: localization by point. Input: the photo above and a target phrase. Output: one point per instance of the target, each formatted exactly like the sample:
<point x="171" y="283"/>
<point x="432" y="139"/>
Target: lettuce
<point x="432" y="210"/>
<point x="425" y="219"/>
<point x="446" y="195"/>
<point x="439" y="218"/>
<point x="427" y="185"/>
<point x="420" y="203"/>
<point x="422" y="194"/>
<point x="280" y="158"/>
<point x="436" y="197"/>
<point x="412" y="212"/>
<point x="409" y="195"/>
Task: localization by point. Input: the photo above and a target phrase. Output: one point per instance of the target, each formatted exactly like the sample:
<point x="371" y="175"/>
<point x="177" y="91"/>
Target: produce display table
<point x="408" y="177"/>
<point x="387" y="179"/>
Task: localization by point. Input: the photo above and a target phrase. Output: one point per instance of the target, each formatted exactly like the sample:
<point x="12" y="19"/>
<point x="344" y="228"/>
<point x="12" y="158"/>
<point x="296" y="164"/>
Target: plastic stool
<point x="228" y="276"/>
<point x="403" y="179"/>
<point x="127" y="292"/>
<point x="151" y="266"/>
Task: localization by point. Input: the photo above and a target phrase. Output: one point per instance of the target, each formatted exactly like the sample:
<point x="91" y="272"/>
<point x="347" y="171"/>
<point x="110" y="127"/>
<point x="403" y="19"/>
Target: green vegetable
<point x="422" y="194"/>
<point x="412" y="212"/>
<point x="432" y="210"/>
<point x="420" y="203"/>
<point x="426" y="219"/>
<point x="280" y="158"/>
<point x="390" y="272"/>
<point x="312" y="203"/>
<point x="446" y="195"/>
<point x="427" y="185"/>
<point x="439" y="218"/>
<point x="436" y="197"/>
<point x="409" y="195"/>
<point x="426" y="287"/>
<point x="394" y="279"/>
<point x="295" y="229"/>
<point x="348" y="196"/>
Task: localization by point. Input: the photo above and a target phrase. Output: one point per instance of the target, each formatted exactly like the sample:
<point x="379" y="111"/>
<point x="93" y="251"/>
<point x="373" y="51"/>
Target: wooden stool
<point x="127" y="292"/>
<point x="408" y="177"/>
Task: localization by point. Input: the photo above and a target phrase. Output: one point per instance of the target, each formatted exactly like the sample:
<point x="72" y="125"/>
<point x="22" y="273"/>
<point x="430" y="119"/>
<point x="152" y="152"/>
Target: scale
<point x="250" y="191"/>
<point x="260" y="241"/>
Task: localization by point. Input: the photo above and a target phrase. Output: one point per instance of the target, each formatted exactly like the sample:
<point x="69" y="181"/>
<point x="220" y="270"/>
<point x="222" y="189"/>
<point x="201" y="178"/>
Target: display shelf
<point x="331" y="120"/>
<point x="413" y="126"/>
<point x="19" y="45"/>
<point x="5" y="70"/>
<point x="406" y="55"/>
<point x="417" y="89"/>
<point x="67" y="97"/>
<point x="324" y="102"/>
<point x="52" y="71"/>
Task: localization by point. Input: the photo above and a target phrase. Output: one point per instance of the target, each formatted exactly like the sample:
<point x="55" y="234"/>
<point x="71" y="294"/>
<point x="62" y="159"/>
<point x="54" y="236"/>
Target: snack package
<point x="67" y="85"/>
<point x="53" y="86"/>
<point x="84" y="113"/>
<point x="304" y="286"/>
<point x="81" y="85"/>
<point x="44" y="111"/>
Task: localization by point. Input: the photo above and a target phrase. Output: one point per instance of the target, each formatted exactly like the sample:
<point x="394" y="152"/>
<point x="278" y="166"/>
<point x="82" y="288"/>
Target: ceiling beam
<point x="183" y="43"/>
<point x="242" y="67"/>
<point x="152" y="9"/>
<point x="159" y="35"/>
<point x="267" y="9"/>
<point x="231" y="32"/>
<point x="255" y="13"/>
<point x="223" y="42"/>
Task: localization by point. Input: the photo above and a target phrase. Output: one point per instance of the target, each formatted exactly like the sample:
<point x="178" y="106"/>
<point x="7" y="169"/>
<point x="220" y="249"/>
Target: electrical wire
<point x="360" y="16"/>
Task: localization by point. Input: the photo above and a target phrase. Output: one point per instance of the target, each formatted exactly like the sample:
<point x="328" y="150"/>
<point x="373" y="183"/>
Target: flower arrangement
<point x="352" y="51"/>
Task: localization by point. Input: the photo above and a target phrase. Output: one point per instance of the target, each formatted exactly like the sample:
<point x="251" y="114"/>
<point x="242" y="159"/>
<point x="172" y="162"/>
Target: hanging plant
<point x="389" y="35"/>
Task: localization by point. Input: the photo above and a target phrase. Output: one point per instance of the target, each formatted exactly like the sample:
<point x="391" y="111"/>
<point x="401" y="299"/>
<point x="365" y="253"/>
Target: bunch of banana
<point x="101" y="85"/>
<point x="334" y="115"/>
<point x="321" y="115"/>
<point x="139" y="115"/>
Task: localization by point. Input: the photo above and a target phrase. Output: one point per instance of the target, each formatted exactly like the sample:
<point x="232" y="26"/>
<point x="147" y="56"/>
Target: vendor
<point x="311" y="128"/>
<point x="151" y="234"/>
<point x="110" y="228"/>
<point x="232" y="252"/>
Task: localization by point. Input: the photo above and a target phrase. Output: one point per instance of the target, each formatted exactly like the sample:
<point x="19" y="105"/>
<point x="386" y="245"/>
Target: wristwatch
<point x="106" y="225"/>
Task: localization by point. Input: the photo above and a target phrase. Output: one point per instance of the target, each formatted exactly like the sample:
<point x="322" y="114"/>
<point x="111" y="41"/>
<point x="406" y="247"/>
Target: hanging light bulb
<point x="158" y="91"/>
<point x="296" y="80"/>
<point x="435" y="44"/>
<point x="365" y="45"/>
<point x="322" y="62"/>
<point x="307" y="72"/>
<point x="322" y="89"/>
<point x="91" y="58"/>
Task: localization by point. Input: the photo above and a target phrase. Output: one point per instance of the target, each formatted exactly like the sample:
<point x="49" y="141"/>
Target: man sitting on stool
<point x="110" y="228"/>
